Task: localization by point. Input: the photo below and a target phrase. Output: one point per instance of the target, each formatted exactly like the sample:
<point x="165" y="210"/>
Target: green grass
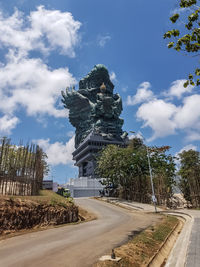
<point x="138" y="251"/>
<point x="47" y="197"/>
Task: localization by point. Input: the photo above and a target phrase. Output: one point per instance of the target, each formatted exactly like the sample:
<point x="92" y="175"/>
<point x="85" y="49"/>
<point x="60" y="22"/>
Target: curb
<point x="178" y="254"/>
<point x="159" y="253"/>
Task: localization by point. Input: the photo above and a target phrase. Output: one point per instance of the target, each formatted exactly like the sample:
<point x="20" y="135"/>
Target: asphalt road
<point x="77" y="245"/>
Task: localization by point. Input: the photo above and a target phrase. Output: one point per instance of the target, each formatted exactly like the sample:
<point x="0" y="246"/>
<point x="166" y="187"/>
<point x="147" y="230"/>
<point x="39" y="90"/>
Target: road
<point x="77" y="245"/>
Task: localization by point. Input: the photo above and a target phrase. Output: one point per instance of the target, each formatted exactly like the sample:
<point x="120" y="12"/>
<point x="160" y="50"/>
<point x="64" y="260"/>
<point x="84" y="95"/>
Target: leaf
<point x="190" y="77"/>
<point x="175" y="33"/>
<point x="189" y="25"/>
<point x="187" y="3"/>
<point x="174" y="18"/>
<point x="192" y="83"/>
<point x="177" y="47"/>
<point x="198" y="82"/>
<point x="197" y="72"/>
<point x="171" y="44"/>
<point x="186" y="84"/>
<point x="193" y="16"/>
<point x="167" y="34"/>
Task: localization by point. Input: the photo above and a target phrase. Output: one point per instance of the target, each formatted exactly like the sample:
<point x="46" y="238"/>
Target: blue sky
<point x="46" y="46"/>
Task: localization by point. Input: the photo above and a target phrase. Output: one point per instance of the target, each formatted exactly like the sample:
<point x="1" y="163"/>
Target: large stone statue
<point x="94" y="107"/>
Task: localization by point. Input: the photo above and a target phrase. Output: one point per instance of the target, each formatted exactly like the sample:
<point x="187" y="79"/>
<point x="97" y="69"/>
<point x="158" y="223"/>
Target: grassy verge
<point x="46" y="197"/>
<point x="50" y="198"/>
<point x="138" y="251"/>
<point x="49" y="201"/>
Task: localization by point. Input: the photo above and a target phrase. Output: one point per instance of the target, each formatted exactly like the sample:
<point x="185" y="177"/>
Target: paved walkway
<point x="186" y="251"/>
<point x="193" y="252"/>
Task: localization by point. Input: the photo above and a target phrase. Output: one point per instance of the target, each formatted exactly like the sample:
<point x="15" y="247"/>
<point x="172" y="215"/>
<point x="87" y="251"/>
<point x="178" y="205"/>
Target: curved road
<point x="77" y="245"/>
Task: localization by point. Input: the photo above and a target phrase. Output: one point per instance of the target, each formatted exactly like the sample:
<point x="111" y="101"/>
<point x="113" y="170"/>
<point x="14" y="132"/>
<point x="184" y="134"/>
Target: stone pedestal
<point x="85" y="154"/>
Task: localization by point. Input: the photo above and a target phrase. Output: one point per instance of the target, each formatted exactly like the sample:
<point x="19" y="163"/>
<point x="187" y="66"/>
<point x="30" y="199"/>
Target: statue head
<point x="103" y="88"/>
<point x="97" y="76"/>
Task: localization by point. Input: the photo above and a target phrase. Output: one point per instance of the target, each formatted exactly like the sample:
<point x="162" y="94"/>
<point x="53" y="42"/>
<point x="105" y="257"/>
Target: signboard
<point x="154" y="199"/>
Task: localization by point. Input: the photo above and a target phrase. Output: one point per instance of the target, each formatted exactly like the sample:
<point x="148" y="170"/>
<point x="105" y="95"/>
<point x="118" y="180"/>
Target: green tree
<point x="128" y="170"/>
<point x="21" y="168"/>
<point x="164" y="169"/>
<point x="187" y="37"/>
<point x="190" y="176"/>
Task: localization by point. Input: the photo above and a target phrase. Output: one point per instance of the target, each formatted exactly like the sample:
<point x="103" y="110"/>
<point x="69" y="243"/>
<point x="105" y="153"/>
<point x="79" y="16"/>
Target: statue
<point x="94" y="107"/>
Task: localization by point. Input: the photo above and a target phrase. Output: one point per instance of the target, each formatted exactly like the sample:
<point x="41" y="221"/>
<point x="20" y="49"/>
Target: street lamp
<point x="150" y="172"/>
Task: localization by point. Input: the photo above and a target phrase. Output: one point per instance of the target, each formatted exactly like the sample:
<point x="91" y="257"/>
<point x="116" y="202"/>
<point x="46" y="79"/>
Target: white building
<point x="84" y="187"/>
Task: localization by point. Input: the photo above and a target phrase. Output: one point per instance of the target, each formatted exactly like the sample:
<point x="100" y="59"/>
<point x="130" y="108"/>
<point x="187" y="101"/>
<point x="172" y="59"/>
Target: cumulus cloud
<point x="42" y="30"/>
<point x="177" y="89"/>
<point x="113" y="76"/>
<point x="188" y="147"/>
<point x="103" y="39"/>
<point x="143" y="94"/>
<point x="70" y="133"/>
<point x="136" y="135"/>
<point x="28" y="82"/>
<point x="58" y="153"/>
<point x="31" y="84"/>
<point x="7" y="123"/>
<point x="165" y="117"/>
<point x="188" y="115"/>
<point x="193" y="135"/>
<point x="158" y="115"/>
<point x="185" y="148"/>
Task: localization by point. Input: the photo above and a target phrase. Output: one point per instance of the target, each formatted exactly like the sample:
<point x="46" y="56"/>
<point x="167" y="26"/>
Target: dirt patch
<point x="19" y="214"/>
<point x="25" y="214"/>
<point x="140" y="251"/>
<point x="86" y="216"/>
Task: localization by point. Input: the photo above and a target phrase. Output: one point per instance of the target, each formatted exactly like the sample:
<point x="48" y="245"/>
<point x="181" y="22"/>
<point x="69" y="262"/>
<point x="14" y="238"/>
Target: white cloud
<point x="113" y="76"/>
<point x="188" y="115"/>
<point x="188" y="147"/>
<point x="7" y="123"/>
<point x="136" y="135"/>
<point x="163" y="116"/>
<point x="193" y="136"/>
<point x="177" y="89"/>
<point x="70" y="133"/>
<point x="102" y="40"/>
<point x="58" y="153"/>
<point x="158" y="115"/>
<point x="185" y="148"/>
<point x="31" y="84"/>
<point x="143" y="94"/>
<point x="43" y="30"/>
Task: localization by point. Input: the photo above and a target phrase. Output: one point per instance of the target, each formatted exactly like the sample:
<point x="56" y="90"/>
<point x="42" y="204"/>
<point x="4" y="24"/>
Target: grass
<point x="46" y="197"/>
<point x="138" y="251"/>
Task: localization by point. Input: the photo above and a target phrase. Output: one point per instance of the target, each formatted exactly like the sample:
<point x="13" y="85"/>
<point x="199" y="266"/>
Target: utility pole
<point x="151" y="177"/>
<point x="150" y="173"/>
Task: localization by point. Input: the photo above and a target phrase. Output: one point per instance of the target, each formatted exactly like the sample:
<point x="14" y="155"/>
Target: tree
<point x="22" y="168"/>
<point x="187" y="37"/>
<point x="127" y="169"/>
<point x="164" y="169"/>
<point x="190" y="176"/>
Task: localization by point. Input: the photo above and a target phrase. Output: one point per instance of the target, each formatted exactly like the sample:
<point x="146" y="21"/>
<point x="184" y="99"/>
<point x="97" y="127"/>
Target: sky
<point x="46" y="46"/>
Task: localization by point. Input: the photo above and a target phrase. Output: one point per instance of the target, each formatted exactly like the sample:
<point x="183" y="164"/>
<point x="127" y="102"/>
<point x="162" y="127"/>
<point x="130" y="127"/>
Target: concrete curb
<point x="178" y="254"/>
